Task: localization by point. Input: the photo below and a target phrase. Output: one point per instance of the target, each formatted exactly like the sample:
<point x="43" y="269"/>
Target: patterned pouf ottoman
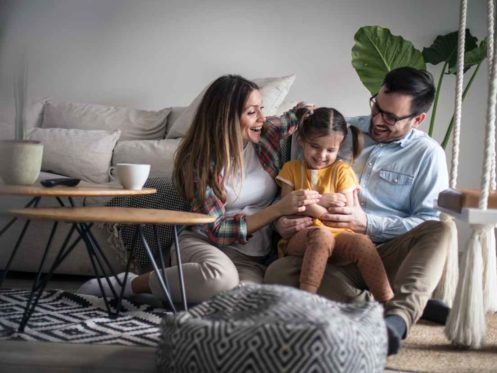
<point x="270" y="328"/>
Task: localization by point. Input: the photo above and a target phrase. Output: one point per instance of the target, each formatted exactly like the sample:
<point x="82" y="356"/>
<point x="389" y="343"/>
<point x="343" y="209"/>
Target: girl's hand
<point x="297" y="200"/>
<point x="333" y="200"/>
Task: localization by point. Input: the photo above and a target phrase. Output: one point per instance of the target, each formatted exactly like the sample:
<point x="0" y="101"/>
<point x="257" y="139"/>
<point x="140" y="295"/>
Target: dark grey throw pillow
<point x="166" y="198"/>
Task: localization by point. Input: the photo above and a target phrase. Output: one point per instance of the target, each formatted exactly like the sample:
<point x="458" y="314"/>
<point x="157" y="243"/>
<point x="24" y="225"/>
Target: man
<point x="401" y="171"/>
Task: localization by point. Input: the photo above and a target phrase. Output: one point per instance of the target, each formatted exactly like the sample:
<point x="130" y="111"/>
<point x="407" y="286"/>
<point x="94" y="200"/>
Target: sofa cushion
<point x="176" y="112"/>
<point x="158" y="153"/>
<point x="273" y="90"/>
<point x="84" y="154"/>
<point x="134" y="124"/>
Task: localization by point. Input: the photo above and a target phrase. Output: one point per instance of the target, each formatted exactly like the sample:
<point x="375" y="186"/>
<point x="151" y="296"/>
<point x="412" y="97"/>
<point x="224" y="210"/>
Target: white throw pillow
<point x="158" y="153"/>
<point x="134" y="124"/>
<point x="273" y="90"/>
<point x="84" y="154"/>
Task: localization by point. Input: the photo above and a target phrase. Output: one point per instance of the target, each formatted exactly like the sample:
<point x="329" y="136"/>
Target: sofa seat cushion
<point x="273" y="90"/>
<point x="83" y="154"/>
<point x="271" y="328"/>
<point x="134" y="124"/>
<point x="158" y="153"/>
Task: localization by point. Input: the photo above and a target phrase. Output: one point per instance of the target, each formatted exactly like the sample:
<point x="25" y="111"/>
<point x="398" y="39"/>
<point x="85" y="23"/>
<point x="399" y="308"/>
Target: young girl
<point x="320" y="135"/>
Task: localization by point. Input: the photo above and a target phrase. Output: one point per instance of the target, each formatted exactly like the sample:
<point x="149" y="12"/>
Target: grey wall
<point x="151" y="54"/>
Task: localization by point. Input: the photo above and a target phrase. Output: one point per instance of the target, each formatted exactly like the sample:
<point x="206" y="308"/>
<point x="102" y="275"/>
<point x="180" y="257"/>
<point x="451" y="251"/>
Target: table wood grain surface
<point x="76" y="191"/>
<point x="120" y="215"/>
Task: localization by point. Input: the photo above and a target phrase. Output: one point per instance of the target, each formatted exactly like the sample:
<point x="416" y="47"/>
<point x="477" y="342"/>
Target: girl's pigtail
<point x="357" y="141"/>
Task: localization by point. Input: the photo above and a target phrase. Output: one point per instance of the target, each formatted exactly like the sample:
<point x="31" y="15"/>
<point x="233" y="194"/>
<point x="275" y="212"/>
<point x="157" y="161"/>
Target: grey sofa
<point x="126" y="136"/>
<point x="159" y="153"/>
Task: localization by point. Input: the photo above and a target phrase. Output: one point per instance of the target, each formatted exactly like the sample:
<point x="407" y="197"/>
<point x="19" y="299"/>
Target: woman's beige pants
<point x="207" y="270"/>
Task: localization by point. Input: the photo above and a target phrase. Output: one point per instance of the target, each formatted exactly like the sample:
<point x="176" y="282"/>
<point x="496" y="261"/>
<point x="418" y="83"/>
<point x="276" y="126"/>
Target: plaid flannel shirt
<point x="227" y="230"/>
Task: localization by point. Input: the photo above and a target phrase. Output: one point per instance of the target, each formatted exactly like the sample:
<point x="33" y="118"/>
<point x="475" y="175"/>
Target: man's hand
<point x="287" y="226"/>
<point x="333" y="200"/>
<point x="352" y="217"/>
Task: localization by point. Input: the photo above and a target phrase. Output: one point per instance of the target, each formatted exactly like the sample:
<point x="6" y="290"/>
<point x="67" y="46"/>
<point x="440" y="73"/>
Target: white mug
<point x="131" y="176"/>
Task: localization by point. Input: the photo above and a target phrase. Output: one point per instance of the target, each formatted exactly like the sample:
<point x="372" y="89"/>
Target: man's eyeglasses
<point x="389" y="118"/>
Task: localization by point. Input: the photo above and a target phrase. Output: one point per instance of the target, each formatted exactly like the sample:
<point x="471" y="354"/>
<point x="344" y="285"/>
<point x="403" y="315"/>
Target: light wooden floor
<point x="41" y="357"/>
<point x="20" y="357"/>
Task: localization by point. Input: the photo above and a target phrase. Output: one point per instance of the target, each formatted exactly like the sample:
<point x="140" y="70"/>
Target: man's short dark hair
<point x="413" y="82"/>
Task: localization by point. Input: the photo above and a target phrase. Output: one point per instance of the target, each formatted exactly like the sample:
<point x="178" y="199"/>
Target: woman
<point x="225" y="167"/>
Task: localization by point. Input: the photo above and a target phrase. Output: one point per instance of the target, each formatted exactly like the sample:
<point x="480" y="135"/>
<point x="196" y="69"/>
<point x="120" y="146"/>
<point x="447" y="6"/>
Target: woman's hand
<point x="297" y="200"/>
<point x="333" y="200"/>
<point x="302" y="110"/>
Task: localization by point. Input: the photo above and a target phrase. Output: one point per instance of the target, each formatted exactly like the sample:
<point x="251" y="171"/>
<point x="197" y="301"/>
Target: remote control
<point x="60" y="181"/>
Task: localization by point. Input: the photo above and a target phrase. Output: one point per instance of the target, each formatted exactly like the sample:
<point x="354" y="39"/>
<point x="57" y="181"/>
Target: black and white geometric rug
<point x="65" y="317"/>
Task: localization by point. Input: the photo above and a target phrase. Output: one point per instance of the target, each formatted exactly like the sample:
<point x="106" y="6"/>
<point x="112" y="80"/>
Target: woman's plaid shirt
<point x="227" y="230"/>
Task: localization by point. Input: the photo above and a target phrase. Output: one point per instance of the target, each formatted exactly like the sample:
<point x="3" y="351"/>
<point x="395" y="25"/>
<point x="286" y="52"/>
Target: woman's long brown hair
<point x="213" y="146"/>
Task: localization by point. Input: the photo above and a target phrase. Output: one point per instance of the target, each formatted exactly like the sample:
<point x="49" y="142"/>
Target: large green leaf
<point x="376" y="52"/>
<point x="476" y="55"/>
<point x="444" y="49"/>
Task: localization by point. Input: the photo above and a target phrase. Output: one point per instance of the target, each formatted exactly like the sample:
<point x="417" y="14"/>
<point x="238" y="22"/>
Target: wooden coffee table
<point x="96" y="190"/>
<point x="122" y="215"/>
<point x="61" y="193"/>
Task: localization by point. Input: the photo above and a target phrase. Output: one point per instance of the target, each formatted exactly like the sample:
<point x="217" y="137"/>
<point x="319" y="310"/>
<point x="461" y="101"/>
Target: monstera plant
<point x="376" y="51"/>
<point x="444" y="50"/>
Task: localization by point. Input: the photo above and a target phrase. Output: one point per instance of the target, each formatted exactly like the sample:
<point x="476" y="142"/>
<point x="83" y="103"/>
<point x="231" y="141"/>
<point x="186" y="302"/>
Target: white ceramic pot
<point x="20" y="161"/>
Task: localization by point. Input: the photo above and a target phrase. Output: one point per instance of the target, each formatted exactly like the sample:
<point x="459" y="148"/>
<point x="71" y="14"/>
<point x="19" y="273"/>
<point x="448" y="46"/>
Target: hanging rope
<point x="488" y="245"/>
<point x="490" y="57"/>
<point x="490" y="127"/>
<point x="461" y="40"/>
<point x="447" y="285"/>
<point x="466" y="322"/>
<point x="489" y="270"/>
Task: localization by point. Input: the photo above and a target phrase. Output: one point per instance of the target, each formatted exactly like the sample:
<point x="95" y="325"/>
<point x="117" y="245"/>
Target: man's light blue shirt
<point x="399" y="181"/>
